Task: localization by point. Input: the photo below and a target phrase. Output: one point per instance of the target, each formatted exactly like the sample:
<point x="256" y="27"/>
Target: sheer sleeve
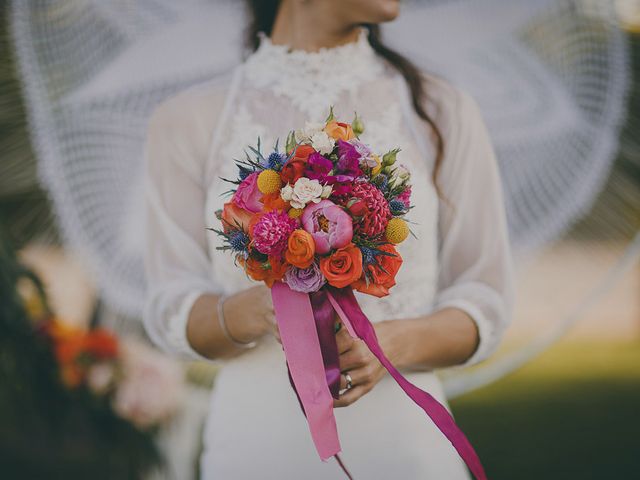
<point x="177" y="264"/>
<point x="475" y="263"/>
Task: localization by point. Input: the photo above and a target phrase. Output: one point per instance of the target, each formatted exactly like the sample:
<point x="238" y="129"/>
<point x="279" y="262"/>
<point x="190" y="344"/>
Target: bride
<point x="454" y="295"/>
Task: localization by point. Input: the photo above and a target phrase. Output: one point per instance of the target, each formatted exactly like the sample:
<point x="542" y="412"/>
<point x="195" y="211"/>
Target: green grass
<point x="573" y="413"/>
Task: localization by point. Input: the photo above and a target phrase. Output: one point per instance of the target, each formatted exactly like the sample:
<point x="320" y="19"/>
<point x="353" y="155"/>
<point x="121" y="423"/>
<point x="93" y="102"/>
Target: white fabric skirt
<point x="256" y="429"/>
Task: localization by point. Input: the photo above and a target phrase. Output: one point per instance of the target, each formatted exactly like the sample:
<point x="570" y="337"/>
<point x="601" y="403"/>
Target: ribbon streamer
<point x="306" y="331"/>
<point x="345" y="303"/>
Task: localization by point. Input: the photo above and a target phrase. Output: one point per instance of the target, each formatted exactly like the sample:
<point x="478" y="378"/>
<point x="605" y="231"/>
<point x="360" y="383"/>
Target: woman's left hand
<point x="362" y="366"/>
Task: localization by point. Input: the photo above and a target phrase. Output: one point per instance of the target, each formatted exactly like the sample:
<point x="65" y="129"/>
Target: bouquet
<point x="316" y="222"/>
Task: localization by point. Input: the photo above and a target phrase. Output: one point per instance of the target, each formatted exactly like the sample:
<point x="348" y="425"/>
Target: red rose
<point x="381" y="276"/>
<point x="293" y="170"/>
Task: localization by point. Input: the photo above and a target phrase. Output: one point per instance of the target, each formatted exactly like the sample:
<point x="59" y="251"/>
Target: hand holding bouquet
<point x="316" y="222"/>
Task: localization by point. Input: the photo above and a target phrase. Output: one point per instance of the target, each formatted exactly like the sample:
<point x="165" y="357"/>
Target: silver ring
<point x="349" y="381"/>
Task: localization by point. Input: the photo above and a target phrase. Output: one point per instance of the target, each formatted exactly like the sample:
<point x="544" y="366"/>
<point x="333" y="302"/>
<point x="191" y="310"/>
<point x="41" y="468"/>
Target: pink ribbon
<point x="306" y="366"/>
<point x="311" y="374"/>
<point x="355" y="320"/>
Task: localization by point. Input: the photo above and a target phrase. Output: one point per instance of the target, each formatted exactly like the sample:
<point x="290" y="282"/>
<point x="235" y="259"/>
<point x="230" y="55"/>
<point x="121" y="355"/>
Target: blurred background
<point x="559" y="85"/>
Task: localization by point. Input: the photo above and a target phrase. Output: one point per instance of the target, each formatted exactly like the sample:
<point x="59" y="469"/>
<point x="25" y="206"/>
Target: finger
<point x="344" y="341"/>
<point x="351" y="395"/>
<point x="357" y="356"/>
<point x="359" y="376"/>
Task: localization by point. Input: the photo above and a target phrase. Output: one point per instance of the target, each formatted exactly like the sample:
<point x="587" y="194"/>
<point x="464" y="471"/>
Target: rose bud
<point x="357" y="207"/>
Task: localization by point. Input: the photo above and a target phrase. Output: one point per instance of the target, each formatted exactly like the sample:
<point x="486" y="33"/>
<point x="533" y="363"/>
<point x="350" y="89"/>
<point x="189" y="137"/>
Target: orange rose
<point x="302" y="153"/>
<point x="339" y="130"/>
<point x="269" y="272"/>
<point x="233" y="215"/>
<point x="343" y="267"/>
<point x="383" y="275"/>
<point x="273" y="201"/>
<point x="300" y="249"/>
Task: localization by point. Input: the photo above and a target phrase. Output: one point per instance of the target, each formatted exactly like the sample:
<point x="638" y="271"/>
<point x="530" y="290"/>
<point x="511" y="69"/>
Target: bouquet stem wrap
<point x="309" y="345"/>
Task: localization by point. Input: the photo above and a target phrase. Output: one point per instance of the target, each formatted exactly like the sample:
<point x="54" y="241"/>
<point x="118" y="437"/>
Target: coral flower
<point x="343" y="267"/>
<point x="382" y="276"/>
<point x="267" y="272"/>
<point x="339" y="130"/>
<point x="300" y="249"/>
<point x="234" y="217"/>
<point x="329" y="225"/>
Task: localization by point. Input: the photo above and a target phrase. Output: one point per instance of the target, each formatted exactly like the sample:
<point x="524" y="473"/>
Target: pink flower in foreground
<point x="271" y="232"/>
<point x="329" y="225"/>
<point x="247" y="195"/>
<point x="152" y="386"/>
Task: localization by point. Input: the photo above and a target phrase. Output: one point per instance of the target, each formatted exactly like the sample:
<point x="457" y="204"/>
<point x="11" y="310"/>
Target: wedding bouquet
<point x="315" y="222"/>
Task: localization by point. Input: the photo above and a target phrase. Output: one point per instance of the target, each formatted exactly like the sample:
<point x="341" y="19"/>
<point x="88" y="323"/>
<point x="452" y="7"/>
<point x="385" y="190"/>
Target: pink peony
<point x="271" y="232"/>
<point x="329" y="225"/>
<point x="247" y="195"/>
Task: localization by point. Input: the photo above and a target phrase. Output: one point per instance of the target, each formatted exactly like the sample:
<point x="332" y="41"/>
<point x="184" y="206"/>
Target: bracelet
<point x="225" y="330"/>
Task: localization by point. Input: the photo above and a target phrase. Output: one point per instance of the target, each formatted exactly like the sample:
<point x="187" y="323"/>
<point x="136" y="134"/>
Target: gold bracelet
<point x="225" y="330"/>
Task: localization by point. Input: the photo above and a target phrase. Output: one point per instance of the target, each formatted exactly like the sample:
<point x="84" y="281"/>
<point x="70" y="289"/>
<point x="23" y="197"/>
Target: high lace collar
<point x="312" y="81"/>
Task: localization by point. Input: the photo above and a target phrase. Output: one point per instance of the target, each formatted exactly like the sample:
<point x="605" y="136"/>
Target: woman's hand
<point x="249" y="314"/>
<point x="362" y="366"/>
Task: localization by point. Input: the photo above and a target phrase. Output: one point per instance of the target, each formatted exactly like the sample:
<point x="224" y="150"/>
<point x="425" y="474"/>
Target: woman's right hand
<point x="249" y="314"/>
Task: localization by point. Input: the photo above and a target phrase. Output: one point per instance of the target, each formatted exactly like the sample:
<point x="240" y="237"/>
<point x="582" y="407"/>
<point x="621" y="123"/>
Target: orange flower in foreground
<point x="234" y="216"/>
<point x="300" y="249"/>
<point x="343" y="267"/>
<point x="339" y="130"/>
<point x="382" y="276"/>
<point x="268" y="272"/>
<point x="273" y="201"/>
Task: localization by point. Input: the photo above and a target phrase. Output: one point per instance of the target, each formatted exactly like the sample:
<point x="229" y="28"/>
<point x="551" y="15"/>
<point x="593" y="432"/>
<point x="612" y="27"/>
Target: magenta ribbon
<point x="305" y="323"/>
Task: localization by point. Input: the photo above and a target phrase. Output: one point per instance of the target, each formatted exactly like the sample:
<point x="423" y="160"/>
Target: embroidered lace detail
<point x="313" y="80"/>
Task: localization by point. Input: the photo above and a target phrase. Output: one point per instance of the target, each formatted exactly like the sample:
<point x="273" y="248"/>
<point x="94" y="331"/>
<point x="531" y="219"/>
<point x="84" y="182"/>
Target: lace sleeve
<point x="475" y="264"/>
<point x="177" y="264"/>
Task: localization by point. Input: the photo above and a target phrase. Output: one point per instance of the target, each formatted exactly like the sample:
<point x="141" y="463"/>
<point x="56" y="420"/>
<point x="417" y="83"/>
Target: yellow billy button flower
<point x="295" y="212"/>
<point x="269" y="182"/>
<point x="397" y="230"/>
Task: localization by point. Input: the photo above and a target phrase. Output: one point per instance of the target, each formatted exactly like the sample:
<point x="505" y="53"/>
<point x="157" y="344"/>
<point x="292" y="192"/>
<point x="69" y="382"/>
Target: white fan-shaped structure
<point x="550" y="77"/>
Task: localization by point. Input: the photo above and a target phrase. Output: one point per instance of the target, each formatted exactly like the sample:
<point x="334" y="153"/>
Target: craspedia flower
<point x="295" y="212"/>
<point x="269" y="182"/>
<point x="378" y="214"/>
<point x="271" y="232"/>
<point x="397" y="230"/>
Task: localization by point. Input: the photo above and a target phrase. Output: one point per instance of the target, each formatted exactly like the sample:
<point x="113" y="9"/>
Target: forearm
<point x="205" y="334"/>
<point x="445" y="338"/>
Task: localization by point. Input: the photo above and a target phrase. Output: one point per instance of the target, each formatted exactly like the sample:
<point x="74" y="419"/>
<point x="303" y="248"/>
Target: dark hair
<point x="262" y="17"/>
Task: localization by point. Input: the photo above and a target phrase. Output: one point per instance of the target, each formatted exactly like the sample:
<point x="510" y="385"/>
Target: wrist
<point x="242" y="328"/>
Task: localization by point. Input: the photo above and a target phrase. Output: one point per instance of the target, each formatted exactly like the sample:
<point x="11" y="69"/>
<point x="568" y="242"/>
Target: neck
<point x="291" y="27"/>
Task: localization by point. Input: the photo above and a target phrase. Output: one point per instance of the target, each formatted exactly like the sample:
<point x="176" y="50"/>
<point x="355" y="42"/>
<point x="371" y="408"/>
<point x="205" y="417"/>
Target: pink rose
<point x="329" y="225"/>
<point x="247" y="195"/>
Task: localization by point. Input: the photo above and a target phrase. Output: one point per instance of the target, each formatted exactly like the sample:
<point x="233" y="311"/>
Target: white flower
<point x="100" y="377"/>
<point x="286" y="192"/>
<point x="399" y="175"/>
<point x="304" y="135"/>
<point x="326" y="191"/>
<point x="322" y="142"/>
<point x="305" y="191"/>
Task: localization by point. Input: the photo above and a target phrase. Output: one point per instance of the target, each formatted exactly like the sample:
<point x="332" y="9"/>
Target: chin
<point x="373" y="11"/>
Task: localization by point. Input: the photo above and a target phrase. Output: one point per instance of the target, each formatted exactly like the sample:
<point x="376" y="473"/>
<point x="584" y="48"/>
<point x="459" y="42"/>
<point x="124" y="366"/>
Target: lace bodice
<point x="460" y="256"/>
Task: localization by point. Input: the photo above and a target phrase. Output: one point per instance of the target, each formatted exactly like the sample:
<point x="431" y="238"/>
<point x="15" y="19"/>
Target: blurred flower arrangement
<point x="74" y="401"/>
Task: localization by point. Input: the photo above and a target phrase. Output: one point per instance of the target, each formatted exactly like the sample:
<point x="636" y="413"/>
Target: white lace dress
<point x="461" y="257"/>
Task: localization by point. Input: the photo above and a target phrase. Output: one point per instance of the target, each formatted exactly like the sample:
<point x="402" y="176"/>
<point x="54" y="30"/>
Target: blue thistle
<point x="275" y="160"/>
<point x="397" y="207"/>
<point x="244" y="172"/>
<point x="368" y="255"/>
<point x="239" y="241"/>
<point x="381" y="181"/>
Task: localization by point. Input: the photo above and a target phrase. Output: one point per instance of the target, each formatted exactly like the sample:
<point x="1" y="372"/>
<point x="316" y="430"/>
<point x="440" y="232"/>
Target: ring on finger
<point x="349" y="381"/>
